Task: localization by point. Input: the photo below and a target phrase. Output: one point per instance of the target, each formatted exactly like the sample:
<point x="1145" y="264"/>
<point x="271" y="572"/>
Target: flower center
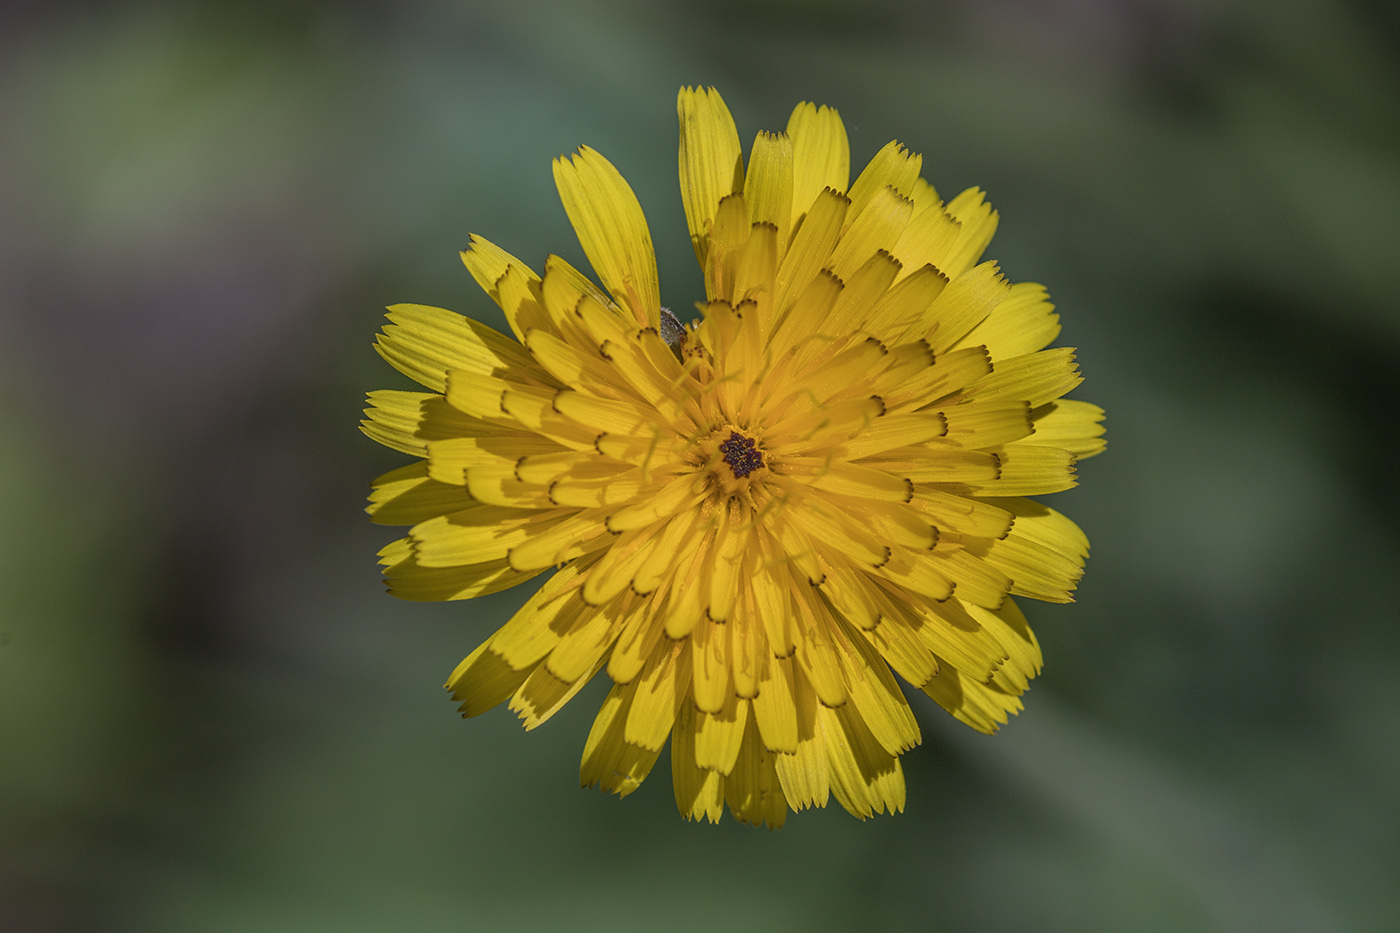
<point x="733" y="462"/>
<point x="741" y="455"/>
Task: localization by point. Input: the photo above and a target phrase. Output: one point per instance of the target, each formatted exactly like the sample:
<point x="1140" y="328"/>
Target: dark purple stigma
<point x="741" y="455"/>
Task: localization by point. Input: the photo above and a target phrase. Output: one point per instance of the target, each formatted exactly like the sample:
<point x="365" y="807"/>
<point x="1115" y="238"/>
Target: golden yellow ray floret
<point x="756" y="520"/>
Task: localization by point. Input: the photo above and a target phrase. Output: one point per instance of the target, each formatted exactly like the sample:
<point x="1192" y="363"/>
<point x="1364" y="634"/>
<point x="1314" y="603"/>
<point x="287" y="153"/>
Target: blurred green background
<point x="213" y="719"/>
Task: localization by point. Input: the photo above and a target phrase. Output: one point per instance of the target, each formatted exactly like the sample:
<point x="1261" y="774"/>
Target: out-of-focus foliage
<point x="213" y="719"/>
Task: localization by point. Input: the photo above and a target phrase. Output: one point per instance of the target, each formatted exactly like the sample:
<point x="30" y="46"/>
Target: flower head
<point x="755" y="518"/>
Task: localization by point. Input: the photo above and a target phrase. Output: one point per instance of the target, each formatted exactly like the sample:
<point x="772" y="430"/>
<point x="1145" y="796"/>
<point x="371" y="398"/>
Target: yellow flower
<point x="757" y="516"/>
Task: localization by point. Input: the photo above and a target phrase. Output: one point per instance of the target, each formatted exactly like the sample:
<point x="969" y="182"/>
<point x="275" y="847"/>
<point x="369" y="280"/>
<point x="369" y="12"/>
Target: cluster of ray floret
<point x="820" y="484"/>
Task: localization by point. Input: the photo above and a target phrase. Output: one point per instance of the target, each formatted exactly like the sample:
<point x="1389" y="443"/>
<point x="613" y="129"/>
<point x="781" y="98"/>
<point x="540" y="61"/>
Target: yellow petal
<point x="617" y="567"/>
<point x="984" y="707"/>
<point x="815" y="655"/>
<point x="636" y="643"/>
<point x="1073" y="425"/>
<point x="808" y="426"/>
<point x="475" y="534"/>
<point x="518" y="292"/>
<point x="1024" y="321"/>
<point x="699" y="791"/>
<point x="612" y="230"/>
<point x="895" y="523"/>
<point x="1008" y="625"/>
<point x="979" y="582"/>
<point x="558" y="542"/>
<point x="862" y="482"/>
<point x="838" y="372"/>
<point x="660" y="691"/>
<point x="821" y="157"/>
<point x="661" y="559"/>
<point x="407" y="421"/>
<point x="794" y="344"/>
<point x="768" y="184"/>
<point x="634" y="363"/>
<point x="902" y="429"/>
<point x="928" y="240"/>
<point x="1037" y="571"/>
<point x="810" y="251"/>
<point x="711" y="163"/>
<point x="609" y="760"/>
<point x="731" y="543"/>
<point x="495" y="483"/>
<point x="751" y="788"/>
<point x="1026" y="470"/>
<point x="481" y="396"/>
<point x="583" y="647"/>
<point x="917" y="573"/>
<point x="903" y="651"/>
<point x="677" y="495"/>
<point x="598" y="414"/>
<point x="877" y="227"/>
<point x="769" y="581"/>
<point x="775" y="707"/>
<point x="603" y="324"/>
<point x="754" y="278"/>
<point x="487" y="263"/>
<point x="893" y="166"/>
<point x="804" y="774"/>
<point x="543" y="695"/>
<point x="796" y="551"/>
<point x="948" y="630"/>
<point x="748" y="647"/>
<point x="534" y="631"/>
<point x="423" y="343"/>
<point x="712" y="681"/>
<point x="541" y="465"/>
<point x="719" y="735"/>
<point x="686" y="606"/>
<point x="864" y="777"/>
<point x="838" y="535"/>
<point x="907" y="302"/>
<point x="1037" y="378"/>
<point x="867" y="286"/>
<point x="962" y="515"/>
<point x="564" y="288"/>
<point x="597" y="484"/>
<point x="483" y="680"/>
<point x="1044" y="525"/>
<point x="571" y="366"/>
<point x="875" y="696"/>
<point x="847" y="590"/>
<point x="988" y="423"/>
<point x="393" y="419"/>
<point x="948" y="373"/>
<point x="937" y="462"/>
<point x="407" y="579"/>
<point x="450" y="458"/>
<point x="728" y="237"/>
<point x="967" y="300"/>
<point x="977" y="223"/>
<point x="407" y="496"/>
<point x="924" y="196"/>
